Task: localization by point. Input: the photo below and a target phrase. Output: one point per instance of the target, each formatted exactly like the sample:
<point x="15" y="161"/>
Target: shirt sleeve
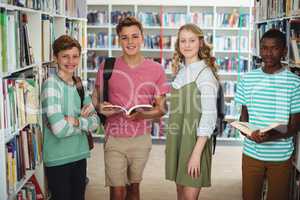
<point x="208" y="86"/>
<point x="52" y="109"/>
<point x="162" y="86"/>
<point x="240" y="93"/>
<point x="295" y="100"/>
<point x="92" y="122"/>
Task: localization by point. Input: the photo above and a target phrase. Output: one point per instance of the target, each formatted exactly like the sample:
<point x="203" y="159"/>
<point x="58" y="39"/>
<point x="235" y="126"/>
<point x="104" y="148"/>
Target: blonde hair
<point x="204" y="52"/>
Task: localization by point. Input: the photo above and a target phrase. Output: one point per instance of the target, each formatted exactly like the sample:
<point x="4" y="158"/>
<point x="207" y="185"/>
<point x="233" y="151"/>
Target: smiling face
<point x="68" y="60"/>
<point x="189" y="45"/>
<point x="271" y="51"/>
<point x="131" y="40"/>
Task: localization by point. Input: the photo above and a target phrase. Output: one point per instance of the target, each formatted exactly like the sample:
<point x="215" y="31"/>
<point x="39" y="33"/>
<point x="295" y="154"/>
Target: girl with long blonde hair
<point x="193" y="114"/>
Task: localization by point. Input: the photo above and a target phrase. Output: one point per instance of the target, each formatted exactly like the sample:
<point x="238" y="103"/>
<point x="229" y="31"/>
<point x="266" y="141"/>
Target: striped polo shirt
<point x="270" y="98"/>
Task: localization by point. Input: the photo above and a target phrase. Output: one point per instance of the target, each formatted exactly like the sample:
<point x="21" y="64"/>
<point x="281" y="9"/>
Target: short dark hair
<point x="276" y="34"/>
<point x="128" y="21"/>
<point x="65" y="42"/>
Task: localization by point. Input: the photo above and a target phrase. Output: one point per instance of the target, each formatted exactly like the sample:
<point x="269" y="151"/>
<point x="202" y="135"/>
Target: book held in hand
<point x="248" y="128"/>
<point x="140" y="107"/>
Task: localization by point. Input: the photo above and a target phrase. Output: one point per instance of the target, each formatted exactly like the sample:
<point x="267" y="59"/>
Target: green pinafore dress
<point x="185" y="115"/>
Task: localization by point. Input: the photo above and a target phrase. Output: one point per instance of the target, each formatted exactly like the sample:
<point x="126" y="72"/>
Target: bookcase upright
<point x="25" y="61"/>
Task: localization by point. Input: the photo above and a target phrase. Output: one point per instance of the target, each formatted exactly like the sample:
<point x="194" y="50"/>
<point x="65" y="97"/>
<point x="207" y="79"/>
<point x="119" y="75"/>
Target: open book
<point x="248" y="128"/>
<point x="132" y="109"/>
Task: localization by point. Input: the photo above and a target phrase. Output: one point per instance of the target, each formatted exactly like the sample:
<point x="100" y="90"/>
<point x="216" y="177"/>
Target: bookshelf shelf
<point x="98" y="26"/>
<point x="229" y="139"/>
<point x="231" y="73"/>
<point x="9" y="134"/>
<point x="232" y="29"/>
<point x="161" y="21"/>
<point x="18" y="8"/>
<point x="92" y="71"/>
<point x="97" y="49"/>
<point x="230" y="118"/>
<point x="30" y="67"/>
<point x="231" y="51"/>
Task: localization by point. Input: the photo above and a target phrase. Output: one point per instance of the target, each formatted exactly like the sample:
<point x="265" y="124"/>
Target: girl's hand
<point x="194" y="166"/>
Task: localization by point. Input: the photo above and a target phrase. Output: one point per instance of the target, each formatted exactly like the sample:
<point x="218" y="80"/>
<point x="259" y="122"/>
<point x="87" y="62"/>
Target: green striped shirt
<point x="270" y="98"/>
<point x="63" y="142"/>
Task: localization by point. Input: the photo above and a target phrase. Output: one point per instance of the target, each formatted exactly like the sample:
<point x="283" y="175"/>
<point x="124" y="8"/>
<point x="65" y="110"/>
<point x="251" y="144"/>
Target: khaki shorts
<point x="125" y="159"/>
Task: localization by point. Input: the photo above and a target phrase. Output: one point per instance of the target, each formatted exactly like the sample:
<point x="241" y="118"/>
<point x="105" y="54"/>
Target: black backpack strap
<point x="220" y="117"/>
<point x="79" y="88"/>
<point x="107" y="72"/>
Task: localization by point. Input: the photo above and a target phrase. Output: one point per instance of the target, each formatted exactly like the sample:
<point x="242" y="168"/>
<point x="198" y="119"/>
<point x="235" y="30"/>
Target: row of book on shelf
<point x="232" y="64"/>
<point x="74" y="28"/>
<point x="100" y="40"/>
<point x="23" y="153"/>
<point x="72" y="8"/>
<point x="17" y="43"/>
<point x="31" y="190"/>
<point x="16" y="50"/>
<point x="269" y="9"/>
<point x="293" y="38"/>
<point x="20" y="104"/>
<point x="231" y="42"/>
<point x="156" y="41"/>
<point x="232" y="19"/>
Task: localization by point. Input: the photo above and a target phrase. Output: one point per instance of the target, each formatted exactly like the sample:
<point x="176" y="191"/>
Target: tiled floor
<point x="226" y="176"/>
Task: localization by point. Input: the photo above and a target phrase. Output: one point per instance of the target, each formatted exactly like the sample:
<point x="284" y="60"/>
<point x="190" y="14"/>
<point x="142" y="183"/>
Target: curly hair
<point x="128" y="21"/>
<point x="204" y="52"/>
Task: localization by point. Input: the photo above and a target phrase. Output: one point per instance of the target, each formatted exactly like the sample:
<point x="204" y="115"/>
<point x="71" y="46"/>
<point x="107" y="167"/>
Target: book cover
<point x="248" y="128"/>
<point x="131" y="110"/>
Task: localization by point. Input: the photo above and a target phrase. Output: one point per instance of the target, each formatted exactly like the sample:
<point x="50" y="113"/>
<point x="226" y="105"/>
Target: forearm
<point x="244" y="114"/>
<point x="283" y="131"/>
<point x="159" y="109"/>
<point x="96" y="98"/>
<point x="90" y="123"/>
<point x="199" y="146"/>
<point x="153" y="114"/>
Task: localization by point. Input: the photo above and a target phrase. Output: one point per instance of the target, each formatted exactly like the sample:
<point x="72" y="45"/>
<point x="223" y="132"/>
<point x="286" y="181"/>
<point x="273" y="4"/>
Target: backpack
<point x="107" y="72"/>
<point x="220" y="117"/>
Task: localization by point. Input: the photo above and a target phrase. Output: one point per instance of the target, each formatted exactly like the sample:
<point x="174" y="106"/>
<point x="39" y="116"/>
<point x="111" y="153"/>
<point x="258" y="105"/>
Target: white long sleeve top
<point x="208" y="87"/>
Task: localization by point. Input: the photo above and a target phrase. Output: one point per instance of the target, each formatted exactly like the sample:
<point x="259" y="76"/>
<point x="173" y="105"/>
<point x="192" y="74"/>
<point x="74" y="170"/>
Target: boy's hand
<point x="108" y="111"/>
<point x="258" y="136"/>
<point x="138" y="115"/>
<point x="87" y="110"/>
<point x="72" y="120"/>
